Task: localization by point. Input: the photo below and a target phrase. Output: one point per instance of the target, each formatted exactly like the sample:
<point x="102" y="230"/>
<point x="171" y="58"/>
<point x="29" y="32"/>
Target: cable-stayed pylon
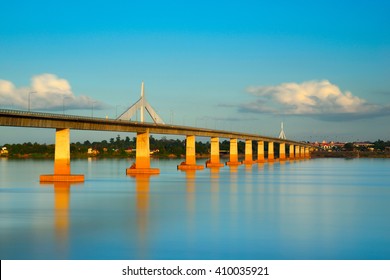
<point x="141" y="104"/>
<point x="281" y="134"/>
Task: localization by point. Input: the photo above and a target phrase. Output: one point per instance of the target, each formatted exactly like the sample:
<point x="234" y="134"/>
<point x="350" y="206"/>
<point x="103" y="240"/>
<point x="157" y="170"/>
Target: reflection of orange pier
<point x="61" y="215"/>
<point x="61" y="205"/>
<point x="142" y="200"/>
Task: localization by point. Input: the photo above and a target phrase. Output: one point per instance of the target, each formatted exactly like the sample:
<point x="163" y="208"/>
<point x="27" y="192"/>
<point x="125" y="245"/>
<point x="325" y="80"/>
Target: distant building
<point x="331" y="146"/>
<point x="363" y="144"/>
<point x="4" y="151"/>
<point x="328" y="146"/>
<point x="339" y="145"/>
<point x="92" y="152"/>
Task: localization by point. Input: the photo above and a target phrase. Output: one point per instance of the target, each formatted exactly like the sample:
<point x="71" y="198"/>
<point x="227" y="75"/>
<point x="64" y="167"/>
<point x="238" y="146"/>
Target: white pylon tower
<point x="281" y="134"/>
<point x="141" y="104"/>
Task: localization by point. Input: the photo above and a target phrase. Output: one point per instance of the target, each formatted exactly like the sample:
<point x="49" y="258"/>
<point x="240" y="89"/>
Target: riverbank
<point x="315" y="154"/>
<point x="100" y="156"/>
<point x="350" y="154"/>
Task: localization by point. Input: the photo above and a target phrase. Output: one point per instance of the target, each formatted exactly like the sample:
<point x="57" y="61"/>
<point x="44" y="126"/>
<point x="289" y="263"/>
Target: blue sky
<point x="321" y="67"/>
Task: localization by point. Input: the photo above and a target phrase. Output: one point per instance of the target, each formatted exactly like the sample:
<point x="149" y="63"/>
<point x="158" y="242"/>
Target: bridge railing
<point x="43" y="114"/>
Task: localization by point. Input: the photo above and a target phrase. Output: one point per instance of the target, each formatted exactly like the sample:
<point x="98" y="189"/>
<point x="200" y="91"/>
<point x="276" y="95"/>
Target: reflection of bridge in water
<point x="288" y="149"/>
<point x="62" y="217"/>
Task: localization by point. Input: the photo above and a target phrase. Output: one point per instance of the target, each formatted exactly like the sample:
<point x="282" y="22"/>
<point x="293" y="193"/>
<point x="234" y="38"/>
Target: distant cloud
<point x="49" y="92"/>
<point x="318" y="99"/>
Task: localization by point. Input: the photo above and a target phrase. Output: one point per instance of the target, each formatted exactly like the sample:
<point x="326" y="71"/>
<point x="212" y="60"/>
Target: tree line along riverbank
<point x="113" y="148"/>
<point x="174" y="148"/>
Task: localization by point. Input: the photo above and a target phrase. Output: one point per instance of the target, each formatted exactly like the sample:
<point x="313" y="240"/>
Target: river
<point x="307" y="210"/>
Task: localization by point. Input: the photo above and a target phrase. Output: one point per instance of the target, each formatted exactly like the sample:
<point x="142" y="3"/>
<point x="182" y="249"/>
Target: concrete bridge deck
<point x="64" y="123"/>
<point x="47" y="120"/>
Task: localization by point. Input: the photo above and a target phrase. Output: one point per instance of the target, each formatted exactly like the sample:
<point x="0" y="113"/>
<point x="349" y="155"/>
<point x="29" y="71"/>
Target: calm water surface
<point x="312" y="209"/>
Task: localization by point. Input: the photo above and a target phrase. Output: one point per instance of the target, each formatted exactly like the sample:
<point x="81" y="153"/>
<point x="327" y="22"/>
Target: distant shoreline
<point x="107" y="156"/>
<point x="315" y="154"/>
<point x="350" y="154"/>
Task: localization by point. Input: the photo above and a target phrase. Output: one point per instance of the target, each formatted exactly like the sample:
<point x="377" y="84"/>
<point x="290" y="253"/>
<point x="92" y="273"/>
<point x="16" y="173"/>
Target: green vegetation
<point x="166" y="148"/>
<point x="28" y="150"/>
<point x="381" y="145"/>
<point x="115" y="147"/>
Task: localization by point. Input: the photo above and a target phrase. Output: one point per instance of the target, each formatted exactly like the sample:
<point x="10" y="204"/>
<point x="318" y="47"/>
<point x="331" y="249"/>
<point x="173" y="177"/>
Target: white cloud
<point x="46" y="92"/>
<point x="320" y="99"/>
<point x="49" y="83"/>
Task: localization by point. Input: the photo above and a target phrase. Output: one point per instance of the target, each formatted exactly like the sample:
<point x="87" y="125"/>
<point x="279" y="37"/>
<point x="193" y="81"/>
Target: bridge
<point x="64" y="123"/>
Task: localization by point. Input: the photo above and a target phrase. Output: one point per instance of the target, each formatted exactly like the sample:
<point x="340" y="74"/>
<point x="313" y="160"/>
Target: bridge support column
<point x="291" y="152"/>
<point x="282" y="151"/>
<point x="248" y="152"/>
<point x="142" y="156"/>
<point x="62" y="160"/>
<point x="297" y="152"/>
<point x="214" y="157"/>
<point x="190" y="163"/>
<point x="307" y="152"/>
<point x="271" y="156"/>
<point x="260" y="151"/>
<point x="302" y="152"/>
<point x="233" y="160"/>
